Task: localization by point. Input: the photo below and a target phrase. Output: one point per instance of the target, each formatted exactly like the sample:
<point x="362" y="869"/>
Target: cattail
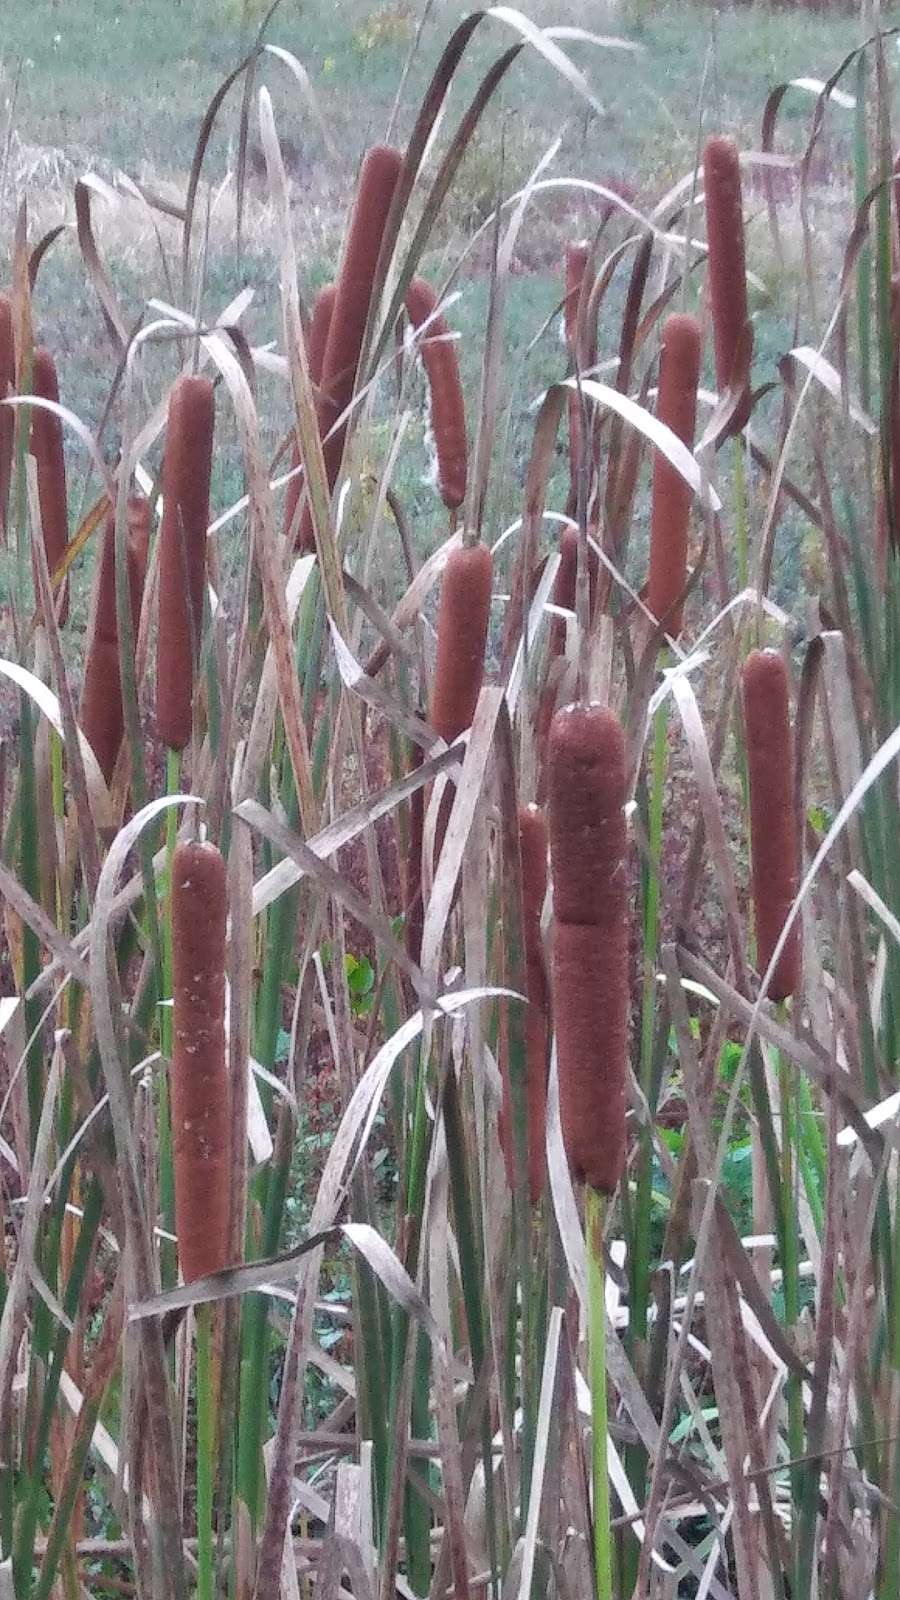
<point x="448" y="412"/>
<point x="102" y="717"/>
<point x="199" y="1077"/>
<point x="47" y="449"/>
<point x="319" y="324"/>
<point x="577" y="261"/>
<point x="679" y="375"/>
<point x="727" y="268"/>
<point x="353" y="295"/>
<point x="187" y="465"/>
<point x="462" y="630"/>
<point x="565" y="585"/>
<point x="7" y="417"/>
<point x="533" y="855"/>
<point x="587" y="791"/>
<point x="773" y="830"/>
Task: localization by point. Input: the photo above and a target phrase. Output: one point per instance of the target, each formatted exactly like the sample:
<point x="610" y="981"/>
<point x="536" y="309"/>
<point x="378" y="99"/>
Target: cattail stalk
<point x="564" y="596"/>
<point x="726" y="266"/>
<point x="319" y="324"/>
<point x="773" y="830"/>
<point x="7" y="415"/>
<point x="586" y="798"/>
<point x="187" y="467"/>
<point x="353" y="296"/>
<point x="50" y="460"/>
<point x="102" y="714"/>
<point x="533" y="856"/>
<point x="448" y="412"/>
<point x="671" y="508"/>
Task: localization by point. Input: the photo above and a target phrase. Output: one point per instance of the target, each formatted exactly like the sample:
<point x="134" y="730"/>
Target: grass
<point x="409" y="1370"/>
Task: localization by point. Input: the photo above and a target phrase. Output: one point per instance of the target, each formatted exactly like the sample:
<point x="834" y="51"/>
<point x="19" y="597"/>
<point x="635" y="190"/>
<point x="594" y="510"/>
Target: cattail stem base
<point x="595" y="1213"/>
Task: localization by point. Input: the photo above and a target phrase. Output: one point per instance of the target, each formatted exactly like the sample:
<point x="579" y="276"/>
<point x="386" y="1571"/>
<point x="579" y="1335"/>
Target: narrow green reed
<point x="206" y="1453"/>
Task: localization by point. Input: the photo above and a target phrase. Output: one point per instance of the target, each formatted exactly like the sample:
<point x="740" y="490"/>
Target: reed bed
<point x="450" y="1028"/>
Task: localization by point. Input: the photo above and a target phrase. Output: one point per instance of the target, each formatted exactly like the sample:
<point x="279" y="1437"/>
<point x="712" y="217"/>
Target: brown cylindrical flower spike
<point x="50" y="460"/>
<point x="199" y="1076"/>
<point x="773" y="831"/>
<point x="462" y="630"/>
<point x="588" y="840"/>
<point x="533" y="855"/>
<point x="679" y="375"/>
<point x="726" y="266"/>
<point x="448" y="411"/>
<point x="7" y="415"/>
<point x="187" y="466"/>
<point x="353" y="295"/>
<point x="317" y="337"/>
<point x="101" y="716"/>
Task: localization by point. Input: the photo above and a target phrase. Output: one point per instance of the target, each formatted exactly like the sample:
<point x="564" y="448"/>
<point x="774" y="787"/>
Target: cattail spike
<point x="773" y="830"/>
<point x="7" y="415"/>
<point x="462" y="630"/>
<point x="102" y="717"/>
<point x="588" y="840"/>
<point x="50" y="460"/>
<point x="727" y="265"/>
<point x="187" y="466"/>
<point x="353" y="295"/>
<point x="448" y="412"/>
<point x="317" y="338"/>
<point x="533" y="855"/>
<point x="679" y="375"/>
<point x="199" y="1077"/>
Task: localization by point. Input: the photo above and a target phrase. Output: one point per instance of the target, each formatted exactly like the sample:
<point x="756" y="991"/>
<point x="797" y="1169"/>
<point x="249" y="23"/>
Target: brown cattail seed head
<point x="588" y="840"/>
<point x="47" y="449"/>
<point x="533" y="855"/>
<point x="590" y="1009"/>
<point x="199" y="1078"/>
<point x="448" y="412"/>
<point x="377" y="182"/>
<point x="187" y="466"/>
<point x="586" y="794"/>
<point x="317" y="338"/>
<point x="7" y="415"/>
<point x="102" y="719"/>
<point x="462" y="630"/>
<point x="773" y="832"/>
<point x="726" y="266"/>
<point x="679" y="375"/>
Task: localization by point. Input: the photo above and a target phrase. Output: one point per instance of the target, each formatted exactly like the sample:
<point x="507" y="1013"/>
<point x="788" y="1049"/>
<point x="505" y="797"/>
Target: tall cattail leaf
<point x="199" y="1074"/>
<point x="727" y="264"/>
<point x="187" y="466"/>
<point x="7" y="418"/>
<point x="773" y="831"/>
<point x="578" y="258"/>
<point x="448" y="410"/>
<point x="319" y="324"/>
<point x="587" y="792"/>
<point x="677" y="407"/>
<point x="101" y="716"/>
<point x="533" y="854"/>
<point x="48" y="452"/>
<point x="461" y="638"/>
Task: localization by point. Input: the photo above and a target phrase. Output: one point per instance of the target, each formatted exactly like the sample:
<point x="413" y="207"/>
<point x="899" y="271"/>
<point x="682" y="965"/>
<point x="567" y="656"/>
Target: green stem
<point x="206" y="1449"/>
<point x="595" y="1206"/>
<point x="740" y="515"/>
